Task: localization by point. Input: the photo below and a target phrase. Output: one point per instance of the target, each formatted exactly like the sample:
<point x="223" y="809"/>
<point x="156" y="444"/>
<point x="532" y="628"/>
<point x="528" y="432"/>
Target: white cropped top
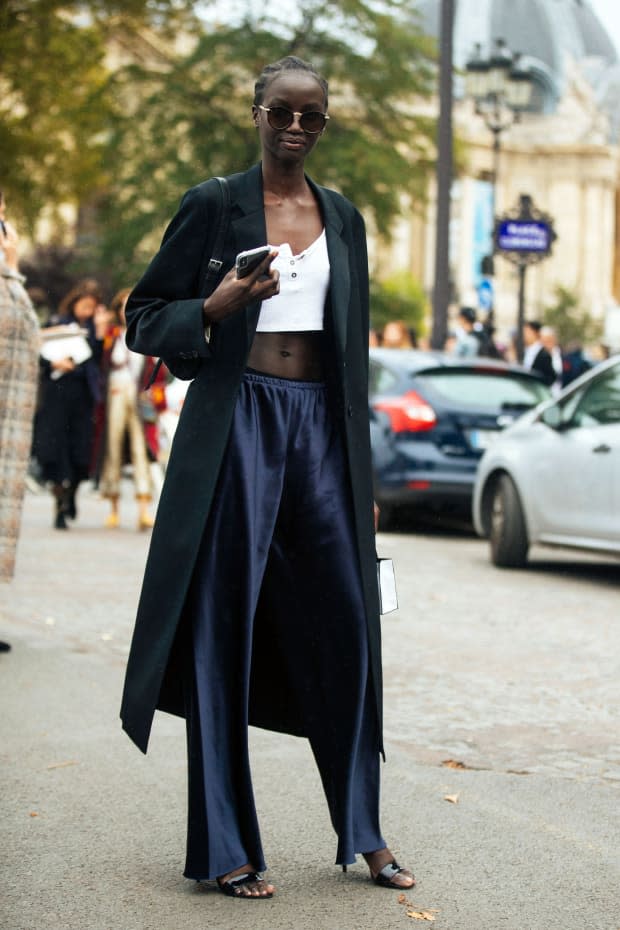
<point x="304" y="280"/>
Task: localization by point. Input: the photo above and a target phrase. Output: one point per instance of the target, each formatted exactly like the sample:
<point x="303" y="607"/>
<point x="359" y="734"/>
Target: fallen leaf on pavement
<point x="62" y="765"/>
<point x="453" y="764"/>
<point x="33" y="814"/>
<point x="428" y="913"/>
<point x="452" y="798"/>
<point x="423" y="915"/>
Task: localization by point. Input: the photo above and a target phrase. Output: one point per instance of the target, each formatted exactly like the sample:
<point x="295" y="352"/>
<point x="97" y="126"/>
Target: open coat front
<point x="164" y="318"/>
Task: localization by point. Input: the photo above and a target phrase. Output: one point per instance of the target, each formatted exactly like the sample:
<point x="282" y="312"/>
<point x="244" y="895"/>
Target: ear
<point x="255" y="112"/>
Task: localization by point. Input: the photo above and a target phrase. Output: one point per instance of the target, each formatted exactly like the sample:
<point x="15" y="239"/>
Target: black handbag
<point x="187" y="368"/>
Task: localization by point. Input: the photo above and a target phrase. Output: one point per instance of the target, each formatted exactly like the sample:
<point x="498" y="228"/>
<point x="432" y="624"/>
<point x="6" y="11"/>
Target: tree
<point x="399" y="297"/>
<point x="572" y="322"/>
<point x="121" y="106"/>
<point x="57" y="97"/>
<point x="189" y="118"/>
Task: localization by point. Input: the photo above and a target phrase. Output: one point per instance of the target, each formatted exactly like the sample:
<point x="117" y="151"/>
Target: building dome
<point x="548" y="33"/>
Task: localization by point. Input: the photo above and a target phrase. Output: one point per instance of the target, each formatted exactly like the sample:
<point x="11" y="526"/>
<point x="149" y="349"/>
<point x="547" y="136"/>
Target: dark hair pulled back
<point x="290" y="63"/>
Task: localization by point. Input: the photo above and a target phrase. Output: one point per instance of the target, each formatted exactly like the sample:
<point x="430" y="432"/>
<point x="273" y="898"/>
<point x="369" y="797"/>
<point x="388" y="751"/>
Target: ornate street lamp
<point x="501" y="88"/>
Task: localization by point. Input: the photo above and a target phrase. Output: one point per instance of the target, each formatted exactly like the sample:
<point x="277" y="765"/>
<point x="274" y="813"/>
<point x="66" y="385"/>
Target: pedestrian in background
<point x="123" y="372"/>
<point x="19" y="352"/>
<point x="575" y="363"/>
<point x="70" y="388"/>
<point x="466" y="343"/>
<point x="536" y="357"/>
<point x="549" y="340"/>
<point x="260" y="599"/>
<point x="397" y="335"/>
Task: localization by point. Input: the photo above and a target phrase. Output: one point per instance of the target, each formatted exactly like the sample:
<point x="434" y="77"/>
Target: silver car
<point x="553" y="478"/>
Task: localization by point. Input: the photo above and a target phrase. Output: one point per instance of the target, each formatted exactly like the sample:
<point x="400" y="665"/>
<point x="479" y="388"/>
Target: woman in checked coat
<point x="260" y="602"/>
<point x="19" y="372"/>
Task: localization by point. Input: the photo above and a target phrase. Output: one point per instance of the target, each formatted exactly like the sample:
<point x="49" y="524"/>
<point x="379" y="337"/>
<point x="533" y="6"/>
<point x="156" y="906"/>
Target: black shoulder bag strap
<point x="208" y="275"/>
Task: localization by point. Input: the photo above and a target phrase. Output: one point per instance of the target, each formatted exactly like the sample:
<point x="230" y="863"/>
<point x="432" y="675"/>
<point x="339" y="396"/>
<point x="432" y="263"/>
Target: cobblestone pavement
<point x="508" y="670"/>
<point x="496" y="673"/>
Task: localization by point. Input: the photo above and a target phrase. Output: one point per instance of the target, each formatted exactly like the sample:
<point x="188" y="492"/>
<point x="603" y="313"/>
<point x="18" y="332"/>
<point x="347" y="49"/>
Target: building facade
<point x="563" y="152"/>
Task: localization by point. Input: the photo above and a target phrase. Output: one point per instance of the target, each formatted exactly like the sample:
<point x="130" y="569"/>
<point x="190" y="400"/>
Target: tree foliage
<point x="57" y="98"/>
<point x="191" y="119"/>
<point x="399" y="297"/>
<point x="52" y="83"/>
<point x="126" y="105"/>
<point x="573" y="323"/>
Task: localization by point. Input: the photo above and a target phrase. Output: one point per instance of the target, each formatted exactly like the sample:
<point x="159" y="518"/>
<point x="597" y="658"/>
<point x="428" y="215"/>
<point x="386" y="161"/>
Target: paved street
<point x="512" y="677"/>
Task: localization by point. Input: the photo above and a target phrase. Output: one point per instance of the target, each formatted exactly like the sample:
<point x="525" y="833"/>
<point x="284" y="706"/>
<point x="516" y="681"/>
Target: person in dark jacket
<point x="260" y="600"/>
<point x="536" y="357"/>
<point x="70" y="388"/>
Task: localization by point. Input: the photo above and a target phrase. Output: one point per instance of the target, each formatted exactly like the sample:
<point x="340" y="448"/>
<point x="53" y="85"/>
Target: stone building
<point x="564" y="152"/>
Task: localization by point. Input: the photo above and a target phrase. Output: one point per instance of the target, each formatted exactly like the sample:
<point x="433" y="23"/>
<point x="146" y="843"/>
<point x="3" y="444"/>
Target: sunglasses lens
<point x="279" y="117"/>
<point x="312" y="121"/>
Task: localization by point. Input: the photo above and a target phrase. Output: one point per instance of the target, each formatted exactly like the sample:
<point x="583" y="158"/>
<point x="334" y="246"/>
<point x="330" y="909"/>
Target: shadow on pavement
<point x="434" y="523"/>
<point x="582" y="570"/>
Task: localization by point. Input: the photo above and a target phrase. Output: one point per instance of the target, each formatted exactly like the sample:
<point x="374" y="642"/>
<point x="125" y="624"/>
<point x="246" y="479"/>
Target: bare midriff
<point x="288" y="355"/>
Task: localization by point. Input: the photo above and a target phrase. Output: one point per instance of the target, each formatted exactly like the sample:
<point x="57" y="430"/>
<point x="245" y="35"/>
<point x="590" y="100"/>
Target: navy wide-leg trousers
<point x="281" y="527"/>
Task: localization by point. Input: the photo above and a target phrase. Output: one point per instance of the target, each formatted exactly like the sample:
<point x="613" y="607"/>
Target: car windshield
<point x="490" y="389"/>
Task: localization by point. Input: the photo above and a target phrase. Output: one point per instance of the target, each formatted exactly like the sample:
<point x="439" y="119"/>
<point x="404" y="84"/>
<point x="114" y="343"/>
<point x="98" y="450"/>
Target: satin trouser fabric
<point x="280" y="529"/>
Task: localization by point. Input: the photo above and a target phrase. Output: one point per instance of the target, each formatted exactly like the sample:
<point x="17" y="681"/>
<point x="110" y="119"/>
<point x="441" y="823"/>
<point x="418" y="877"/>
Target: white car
<point x="553" y="477"/>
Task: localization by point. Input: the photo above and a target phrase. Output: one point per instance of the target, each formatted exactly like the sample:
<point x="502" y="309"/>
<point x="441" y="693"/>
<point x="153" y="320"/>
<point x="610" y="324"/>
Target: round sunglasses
<point x="280" y="118"/>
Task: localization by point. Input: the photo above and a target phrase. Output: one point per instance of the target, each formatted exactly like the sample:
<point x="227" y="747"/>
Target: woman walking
<point x="70" y="389"/>
<point x="123" y="374"/>
<point x="19" y="369"/>
<point x="260" y="601"/>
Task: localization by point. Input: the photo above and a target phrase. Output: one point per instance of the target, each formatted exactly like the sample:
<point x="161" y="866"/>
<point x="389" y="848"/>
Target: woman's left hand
<point x="377" y="512"/>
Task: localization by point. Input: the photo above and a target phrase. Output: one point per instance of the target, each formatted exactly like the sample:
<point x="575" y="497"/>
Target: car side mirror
<point x="552" y="417"/>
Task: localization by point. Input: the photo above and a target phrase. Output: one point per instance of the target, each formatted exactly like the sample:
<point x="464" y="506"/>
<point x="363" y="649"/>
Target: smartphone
<point x="246" y="262"/>
<point x="3" y="227"/>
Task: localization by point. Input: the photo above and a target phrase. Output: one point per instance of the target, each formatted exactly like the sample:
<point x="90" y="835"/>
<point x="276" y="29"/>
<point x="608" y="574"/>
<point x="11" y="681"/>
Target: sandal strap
<point x="390" y="870"/>
<point x="244" y="879"/>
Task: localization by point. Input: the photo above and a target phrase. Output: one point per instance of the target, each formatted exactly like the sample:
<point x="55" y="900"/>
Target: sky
<point x="608" y="11"/>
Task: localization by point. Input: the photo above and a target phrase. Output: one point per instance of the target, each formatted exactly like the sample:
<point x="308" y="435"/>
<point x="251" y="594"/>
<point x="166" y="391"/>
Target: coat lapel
<point x="338" y="252"/>
<point x="248" y="227"/>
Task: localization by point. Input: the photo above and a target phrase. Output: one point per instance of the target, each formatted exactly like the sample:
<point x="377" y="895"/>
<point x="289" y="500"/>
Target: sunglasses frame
<point x="294" y="113"/>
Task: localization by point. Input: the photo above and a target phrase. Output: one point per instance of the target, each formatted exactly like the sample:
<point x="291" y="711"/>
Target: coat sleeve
<point x="164" y="310"/>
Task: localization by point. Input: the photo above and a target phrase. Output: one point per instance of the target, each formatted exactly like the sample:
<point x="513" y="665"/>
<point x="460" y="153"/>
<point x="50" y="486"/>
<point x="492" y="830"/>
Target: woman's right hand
<point x="233" y="293"/>
<point x="9" y="245"/>
<point x="64" y="365"/>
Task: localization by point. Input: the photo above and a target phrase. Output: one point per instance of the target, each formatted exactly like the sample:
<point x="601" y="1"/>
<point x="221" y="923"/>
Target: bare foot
<point x="378" y="859"/>
<point x="250" y="889"/>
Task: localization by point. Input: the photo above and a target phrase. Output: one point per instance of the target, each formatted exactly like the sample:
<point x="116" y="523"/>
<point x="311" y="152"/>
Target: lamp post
<point x="501" y="88"/>
<point x="441" y="287"/>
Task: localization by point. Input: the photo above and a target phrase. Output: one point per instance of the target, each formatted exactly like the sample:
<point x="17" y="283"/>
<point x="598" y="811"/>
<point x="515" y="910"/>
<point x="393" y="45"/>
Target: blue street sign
<point x="524" y="235"/>
<point x="485" y="294"/>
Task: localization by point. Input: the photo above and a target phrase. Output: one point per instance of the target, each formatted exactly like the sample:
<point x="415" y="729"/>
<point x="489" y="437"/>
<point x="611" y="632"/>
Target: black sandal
<point x="238" y="881"/>
<point x="385" y="877"/>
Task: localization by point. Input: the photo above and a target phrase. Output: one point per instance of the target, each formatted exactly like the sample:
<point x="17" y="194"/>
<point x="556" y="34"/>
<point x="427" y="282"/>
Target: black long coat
<point x="164" y="318"/>
<point x="64" y="422"/>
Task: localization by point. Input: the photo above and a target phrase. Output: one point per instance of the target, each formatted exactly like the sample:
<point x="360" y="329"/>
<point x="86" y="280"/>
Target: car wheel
<point x="508" y="534"/>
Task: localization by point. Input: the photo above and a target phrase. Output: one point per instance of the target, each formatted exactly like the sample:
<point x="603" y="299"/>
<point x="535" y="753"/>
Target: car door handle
<point x="602" y="448"/>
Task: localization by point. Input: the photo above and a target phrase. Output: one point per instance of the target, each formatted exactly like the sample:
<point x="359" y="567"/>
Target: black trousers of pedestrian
<point x="281" y="528"/>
